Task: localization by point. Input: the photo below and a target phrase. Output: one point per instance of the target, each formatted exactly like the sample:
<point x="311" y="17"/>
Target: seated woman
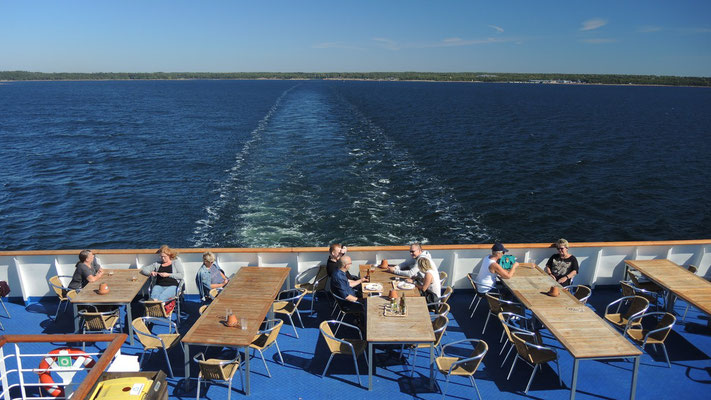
<point x="168" y="271"/>
<point x="562" y="266"/>
<point x="210" y="276"/>
<point x="427" y="280"/>
<point x="490" y="269"/>
<point x="86" y="270"/>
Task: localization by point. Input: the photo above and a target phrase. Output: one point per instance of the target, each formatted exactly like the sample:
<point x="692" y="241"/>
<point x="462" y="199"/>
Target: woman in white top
<point x="490" y="269"/>
<point x="428" y="280"/>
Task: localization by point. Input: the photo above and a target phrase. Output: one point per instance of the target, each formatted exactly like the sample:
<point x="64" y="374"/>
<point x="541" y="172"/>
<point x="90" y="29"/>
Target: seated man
<point x="343" y="287"/>
<point x="491" y="269"/>
<point x="409" y="267"/>
<point x="336" y="251"/>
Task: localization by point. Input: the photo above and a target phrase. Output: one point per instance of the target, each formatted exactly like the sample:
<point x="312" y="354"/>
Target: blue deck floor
<point x="689" y="348"/>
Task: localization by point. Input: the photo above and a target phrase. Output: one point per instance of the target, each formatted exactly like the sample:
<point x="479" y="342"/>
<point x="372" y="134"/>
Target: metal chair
<point x="627" y="308"/>
<point x="449" y="366"/>
<point x="346" y="307"/>
<point x="98" y="321"/>
<point x="497" y="305"/>
<point x="60" y="290"/>
<point x="218" y="370"/>
<point x="157" y="308"/>
<point x="511" y="323"/>
<point x="628" y="289"/>
<point x="439" y="325"/>
<point x="265" y="338"/>
<point x="644" y="285"/>
<point x="287" y="303"/>
<point x="654" y="336"/>
<point x="343" y="346"/>
<point x="150" y="341"/>
<point x="312" y="287"/>
<point x="533" y="355"/>
<point x="477" y="296"/>
<point x="438" y="309"/>
<point x="580" y="292"/>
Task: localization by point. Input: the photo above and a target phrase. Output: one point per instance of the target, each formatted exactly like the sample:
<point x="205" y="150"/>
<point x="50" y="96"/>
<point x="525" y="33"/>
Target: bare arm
<point x="425" y="282"/>
<point x="500" y="271"/>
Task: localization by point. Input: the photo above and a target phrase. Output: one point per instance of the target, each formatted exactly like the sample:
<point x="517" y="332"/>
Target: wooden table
<point x="249" y="294"/>
<point x="582" y="332"/>
<point x="123" y="289"/>
<point x="385" y="278"/>
<point x="694" y="289"/>
<point x="414" y="328"/>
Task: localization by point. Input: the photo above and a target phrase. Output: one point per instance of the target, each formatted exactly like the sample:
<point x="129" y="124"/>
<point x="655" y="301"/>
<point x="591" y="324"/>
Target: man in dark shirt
<point x="336" y="251"/>
<point x="341" y="286"/>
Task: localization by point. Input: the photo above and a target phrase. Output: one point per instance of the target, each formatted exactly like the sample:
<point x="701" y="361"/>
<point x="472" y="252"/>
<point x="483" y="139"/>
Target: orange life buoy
<point x="47" y="363"/>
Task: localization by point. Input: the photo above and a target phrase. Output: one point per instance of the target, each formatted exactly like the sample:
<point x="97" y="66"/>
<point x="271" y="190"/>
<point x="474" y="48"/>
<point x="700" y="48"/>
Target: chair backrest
<point x="494" y="303"/>
<point x="214" y="292"/>
<point x="155" y="308"/>
<point x="212" y="369"/>
<point x="266" y="339"/>
<point x="148" y="342"/>
<point x="634" y="279"/>
<point x="477" y="357"/>
<point x="529" y="351"/>
<point x="693" y="269"/>
<point x="582" y="293"/>
<point x="442" y="277"/>
<point x="439" y="325"/>
<point x="664" y="326"/>
<point x="96" y="321"/>
<point x="627" y="288"/>
<point x="471" y="281"/>
<point x="202" y="309"/>
<point x="446" y="294"/>
<point x="58" y="287"/>
<point x="638" y="305"/>
<point x="442" y="309"/>
<point x="320" y="281"/>
<point x="334" y="346"/>
<point x="72" y="294"/>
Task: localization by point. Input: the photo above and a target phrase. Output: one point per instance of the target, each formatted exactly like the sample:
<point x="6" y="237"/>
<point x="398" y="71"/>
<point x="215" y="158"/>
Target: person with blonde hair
<point x="210" y="275"/>
<point x="562" y="266"/>
<point x="167" y="272"/>
<point x="427" y="280"/>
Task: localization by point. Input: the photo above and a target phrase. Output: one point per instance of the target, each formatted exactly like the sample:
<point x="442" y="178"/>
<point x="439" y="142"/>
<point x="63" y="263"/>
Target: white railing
<point x="601" y="263"/>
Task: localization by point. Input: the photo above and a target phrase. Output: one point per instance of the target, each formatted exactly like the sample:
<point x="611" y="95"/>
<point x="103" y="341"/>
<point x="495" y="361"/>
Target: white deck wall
<point x="27" y="275"/>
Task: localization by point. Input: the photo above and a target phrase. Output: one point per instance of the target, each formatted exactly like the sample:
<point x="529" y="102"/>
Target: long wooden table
<point x="582" y="332"/>
<point x="692" y="288"/>
<point x="386" y="279"/>
<point x="414" y="328"/>
<point x="122" y="290"/>
<point x="249" y="294"/>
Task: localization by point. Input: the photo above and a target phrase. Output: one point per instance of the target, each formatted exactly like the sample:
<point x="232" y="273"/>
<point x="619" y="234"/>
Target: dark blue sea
<point x="136" y="164"/>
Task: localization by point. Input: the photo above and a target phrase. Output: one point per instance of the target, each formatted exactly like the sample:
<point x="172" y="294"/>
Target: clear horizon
<point x="601" y="37"/>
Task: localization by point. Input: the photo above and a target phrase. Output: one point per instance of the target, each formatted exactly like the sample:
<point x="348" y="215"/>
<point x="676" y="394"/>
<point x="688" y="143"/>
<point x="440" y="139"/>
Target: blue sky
<point x="626" y="37"/>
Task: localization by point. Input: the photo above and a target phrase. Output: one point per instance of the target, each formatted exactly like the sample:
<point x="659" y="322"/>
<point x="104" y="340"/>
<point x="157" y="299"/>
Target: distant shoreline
<point x="476" y="77"/>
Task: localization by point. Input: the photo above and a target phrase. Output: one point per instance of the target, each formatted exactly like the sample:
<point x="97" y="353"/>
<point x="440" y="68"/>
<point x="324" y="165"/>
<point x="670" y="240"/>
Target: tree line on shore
<point x="614" y="79"/>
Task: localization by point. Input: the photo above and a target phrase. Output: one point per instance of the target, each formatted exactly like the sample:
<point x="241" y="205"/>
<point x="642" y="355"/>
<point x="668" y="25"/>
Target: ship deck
<point x="689" y="348"/>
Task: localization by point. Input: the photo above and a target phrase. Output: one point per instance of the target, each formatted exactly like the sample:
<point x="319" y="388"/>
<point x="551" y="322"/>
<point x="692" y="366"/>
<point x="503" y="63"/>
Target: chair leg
<point x="355" y="362"/>
<point x="327" y="364"/>
<point x="472" y="380"/>
<point x="664" y="347"/>
<point x="59" y="306"/>
<point x="279" y="352"/>
<point x="478" y="300"/>
<point x="167" y="359"/>
<point x="535" y="367"/>
<point x="486" y="323"/>
<point x="197" y="396"/>
<point x="293" y="326"/>
<point x="300" y="320"/>
<point x="682" y="318"/>
<point x="3" y="306"/>
<point x="446" y="383"/>
<point x="512" y="367"/>
<point x="229" y="389"/>
<point x="265" y="363"/>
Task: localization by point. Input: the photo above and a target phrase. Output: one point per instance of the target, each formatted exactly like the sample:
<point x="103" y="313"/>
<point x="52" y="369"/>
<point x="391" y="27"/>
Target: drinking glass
<point x="243" y="323"/>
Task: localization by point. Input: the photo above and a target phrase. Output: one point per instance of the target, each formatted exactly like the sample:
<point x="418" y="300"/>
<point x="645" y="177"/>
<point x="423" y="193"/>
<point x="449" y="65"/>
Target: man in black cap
<point x="490" y="269"/>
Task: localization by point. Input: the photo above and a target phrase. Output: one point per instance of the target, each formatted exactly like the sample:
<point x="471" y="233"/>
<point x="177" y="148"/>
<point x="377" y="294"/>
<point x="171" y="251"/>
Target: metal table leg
<point x="370" y="366"/>
<point x="247" y="369"/>
<point x="75" y="309"/>
<point x="129" y="316"/>
<point x="431" y="366"/>
<point x="186" y="353"/>
<point x="633" y="390"/>
<point x="574" y="383"/>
